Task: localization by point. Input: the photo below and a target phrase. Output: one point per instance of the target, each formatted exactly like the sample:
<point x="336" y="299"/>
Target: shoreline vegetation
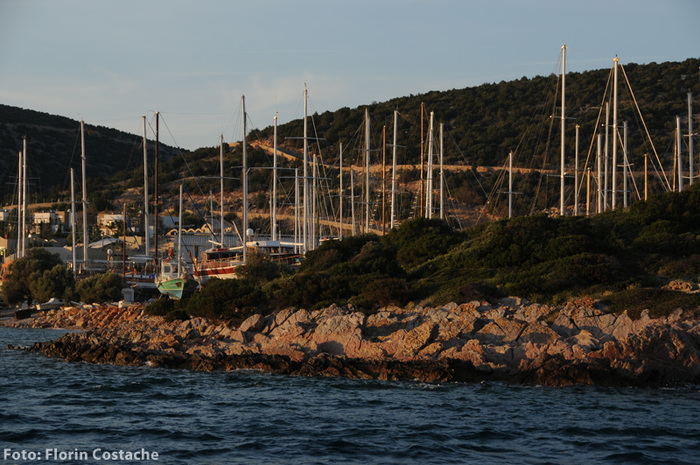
<point x="511" y="340"/>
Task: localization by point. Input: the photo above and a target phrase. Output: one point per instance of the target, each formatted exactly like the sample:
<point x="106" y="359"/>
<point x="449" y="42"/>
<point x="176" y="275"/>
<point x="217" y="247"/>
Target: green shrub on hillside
<point x="659" y="302"/>
<point x="421" y="239"/>
<point x="225" y="298"/>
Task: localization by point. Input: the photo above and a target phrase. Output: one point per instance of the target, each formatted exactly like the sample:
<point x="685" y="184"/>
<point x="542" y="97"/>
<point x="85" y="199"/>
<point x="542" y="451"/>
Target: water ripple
<point x="258" y="418"/>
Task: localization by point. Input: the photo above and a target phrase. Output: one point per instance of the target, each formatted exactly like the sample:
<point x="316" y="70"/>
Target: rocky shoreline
<point x="513" y="341"/>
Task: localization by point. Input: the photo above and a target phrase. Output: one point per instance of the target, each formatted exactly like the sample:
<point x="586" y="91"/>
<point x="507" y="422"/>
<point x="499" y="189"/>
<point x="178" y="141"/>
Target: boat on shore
<point x="174" y="279"/>
<point x="218" y="262"/>
<point x="225" y="262"/>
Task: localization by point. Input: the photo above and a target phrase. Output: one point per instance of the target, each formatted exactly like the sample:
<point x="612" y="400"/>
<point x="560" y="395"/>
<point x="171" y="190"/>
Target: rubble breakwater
<point x="513" y="341"/>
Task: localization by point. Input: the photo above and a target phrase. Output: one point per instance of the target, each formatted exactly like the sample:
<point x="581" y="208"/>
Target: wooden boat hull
<point x="203" y="274"/>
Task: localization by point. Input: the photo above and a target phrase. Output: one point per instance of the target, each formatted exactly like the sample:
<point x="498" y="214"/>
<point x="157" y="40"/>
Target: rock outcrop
<point x="513" y="341"/>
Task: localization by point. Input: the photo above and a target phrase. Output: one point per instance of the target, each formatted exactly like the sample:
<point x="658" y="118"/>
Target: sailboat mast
<point x="510" y="184"/>
<point x="221" y="190"/>
<point x="614" y="138"/>
<point x="146" y="237"/>
<point x="429" y="174"/>
<point x="155" y="193"/>
<point x="383" y="179"/>
<point x="340" y="194"/>
<point x="576" y="187"/>
<point x="72" y="220"/>
<point x="625" y="165"/>
<point x="422" y="160"/>
<point x="305" y="220"/>
<point x="690" y="138"/>
<point x="442" y="176"/>
<point x="588" y="192"/>
<point x="24" y="196"/>
<point x="606" y="181"/>
<point x="314" y="199"/>
<point x="273" y="219"/>
<point x="20" y="204"/>
<point x="86" y="236"/>
<point x="124" y="244"/>
<point x="352" y="201"/>
<point x="393" y="175"/>
<point x="245" y="185"/>
<point x="562" y="207"/>
<point x="367" y="170"/>
<point x="678" y="147"/>
<point x="179" y="231"/>
<point x="601" y="188"/>
<point x="296" y="210"/>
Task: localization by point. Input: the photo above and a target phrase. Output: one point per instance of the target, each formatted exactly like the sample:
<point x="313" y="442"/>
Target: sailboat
<point x="224" y="262"/>
<point x="219" y="261"/>
<point x="138" y="271"/>
<point x="174" y="279"/>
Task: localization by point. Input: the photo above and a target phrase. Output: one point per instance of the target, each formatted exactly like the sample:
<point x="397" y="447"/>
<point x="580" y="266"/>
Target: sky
<point x="109" y="62"/>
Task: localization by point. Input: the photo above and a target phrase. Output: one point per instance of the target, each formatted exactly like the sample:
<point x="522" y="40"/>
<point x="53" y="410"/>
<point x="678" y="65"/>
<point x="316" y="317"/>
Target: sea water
<point x="52" y="411"/>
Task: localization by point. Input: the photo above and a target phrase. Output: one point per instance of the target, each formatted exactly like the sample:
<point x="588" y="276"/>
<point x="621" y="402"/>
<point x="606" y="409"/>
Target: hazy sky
<point x="111" y="61"/>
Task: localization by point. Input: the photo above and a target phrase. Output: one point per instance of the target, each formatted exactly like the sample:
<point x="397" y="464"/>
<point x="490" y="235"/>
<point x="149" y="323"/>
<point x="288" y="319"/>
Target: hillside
<point x="53" y="147"/>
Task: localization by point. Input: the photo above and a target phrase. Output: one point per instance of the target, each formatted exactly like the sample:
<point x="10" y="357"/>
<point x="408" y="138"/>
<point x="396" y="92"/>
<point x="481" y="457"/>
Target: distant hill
<point x="53" y="147"/>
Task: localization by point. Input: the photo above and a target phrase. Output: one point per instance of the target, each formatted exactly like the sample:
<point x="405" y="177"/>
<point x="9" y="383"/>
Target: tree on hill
<point x="37" y="276"/>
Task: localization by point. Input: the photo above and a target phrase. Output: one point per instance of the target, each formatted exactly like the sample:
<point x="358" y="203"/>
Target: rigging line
<point x="535" y="122"/>
<point x="489" y="197"/>
<point x="546" y="152"/>
<point x="625" y="161"/>
<point x="464" y="157"/>
<point x="498" y="185"/>
<point x="182" y="155"/>
<point x="135" y="146"/>
<point x="453" y="202"/>
<point x="70" y="162"/>
<point x="596" y="129"/>
<point x="598" y="124"/>
<point x="636" y="104"/>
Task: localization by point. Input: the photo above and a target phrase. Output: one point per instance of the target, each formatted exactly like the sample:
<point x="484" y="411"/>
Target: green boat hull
<point x="177" y="288"/>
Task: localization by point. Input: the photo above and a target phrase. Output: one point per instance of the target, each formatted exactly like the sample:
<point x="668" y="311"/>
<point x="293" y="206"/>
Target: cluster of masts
<point x="607" y="171"/>
<point x="306" y="234"/>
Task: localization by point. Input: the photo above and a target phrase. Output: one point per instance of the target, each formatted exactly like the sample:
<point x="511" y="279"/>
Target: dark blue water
<point x="253" y="418"/>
